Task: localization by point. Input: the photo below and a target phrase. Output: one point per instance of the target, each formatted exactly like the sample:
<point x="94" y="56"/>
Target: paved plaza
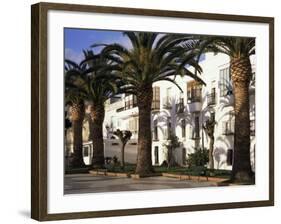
<point x="87" y="183"/>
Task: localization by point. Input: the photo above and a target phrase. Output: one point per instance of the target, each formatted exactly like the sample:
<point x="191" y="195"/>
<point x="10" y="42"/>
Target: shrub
<point x="200" y="157"/>
<point x="164" y="164"/>
<point x="108" y="160"/>
<point x="115" y="160"/>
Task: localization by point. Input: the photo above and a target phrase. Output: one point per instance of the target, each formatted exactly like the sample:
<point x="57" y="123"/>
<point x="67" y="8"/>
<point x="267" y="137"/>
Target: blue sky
<point x="76" y="40"/>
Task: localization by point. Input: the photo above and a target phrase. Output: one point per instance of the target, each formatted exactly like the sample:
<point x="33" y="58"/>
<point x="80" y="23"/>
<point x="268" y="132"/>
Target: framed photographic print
<point x="138" y="111"/>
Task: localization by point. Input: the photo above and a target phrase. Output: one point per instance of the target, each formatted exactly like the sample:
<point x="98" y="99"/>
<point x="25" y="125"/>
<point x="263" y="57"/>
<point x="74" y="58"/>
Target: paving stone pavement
<point x="87" y="183"/>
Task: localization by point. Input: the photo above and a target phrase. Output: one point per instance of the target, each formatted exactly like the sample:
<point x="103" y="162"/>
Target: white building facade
<point x="182" y="114"/>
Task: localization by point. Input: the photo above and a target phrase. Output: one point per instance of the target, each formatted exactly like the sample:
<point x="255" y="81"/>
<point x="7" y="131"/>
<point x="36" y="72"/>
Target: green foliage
<point x="173" y="142"/>
<point x="92" y="79"/>
<point x="199" y="158"/>
<point x="129" y="168"/>
<point x="152" y="58"/>
<point x="124" y="136"/>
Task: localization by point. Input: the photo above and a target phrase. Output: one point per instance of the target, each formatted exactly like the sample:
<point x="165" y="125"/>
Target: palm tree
<point x="171" y="146"/>
<point x="152" y="58"/>
<point x="75" y="94"/>
<point x="102" y="85"/>
<point x="124" y="137"/>
<point x="209" y="127"/>
<point x="239" y="49"/>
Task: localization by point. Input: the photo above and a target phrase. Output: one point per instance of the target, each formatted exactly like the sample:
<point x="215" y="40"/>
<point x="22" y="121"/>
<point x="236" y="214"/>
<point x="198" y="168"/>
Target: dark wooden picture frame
<point x="39" y="121"/>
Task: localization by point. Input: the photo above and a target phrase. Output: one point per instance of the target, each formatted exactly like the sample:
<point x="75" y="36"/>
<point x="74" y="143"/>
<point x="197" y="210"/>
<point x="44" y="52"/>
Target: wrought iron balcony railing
<point x="211" y="99"/>
<point x="180" y="107"/>
<point x="194" y="95"/>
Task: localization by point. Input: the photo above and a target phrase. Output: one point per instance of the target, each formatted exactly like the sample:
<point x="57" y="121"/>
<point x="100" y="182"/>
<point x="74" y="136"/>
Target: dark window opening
<point x="169" y="128"/>
<point x="183" y="156"/>
<point x="183" y="131"/>
<point x="155" y="130"/>
<point x="211" y="97"/>
<point x="86" y="151"/>
<point x="196" y="127"/>
<point x="156" y="155"/>
<point x="225" y="82"/>
<point x="252" y="127"/>
<point x="229" y="159"/>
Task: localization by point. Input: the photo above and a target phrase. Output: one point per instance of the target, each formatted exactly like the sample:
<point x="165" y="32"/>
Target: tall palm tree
<point x="102" y="85"/>
<point x="152" y="58"/>
<point x="75" y="94"/>
<point x="239" y="49"/>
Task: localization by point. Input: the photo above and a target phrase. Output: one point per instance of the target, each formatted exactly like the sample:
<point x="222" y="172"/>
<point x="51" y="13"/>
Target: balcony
<point x="194" y="95"/>
<point x="131" y="103"/>
<point x="155" y="106"/>
<point x="120" y="109"/>
<point x="211" y="99"/>
<point x="194" y="100"/>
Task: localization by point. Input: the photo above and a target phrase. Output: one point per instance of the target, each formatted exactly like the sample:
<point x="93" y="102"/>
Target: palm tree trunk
<point x="240" y="74"/>
<point x="77" y="115"/>
<point x="170" y="159"/>
<point x="96" y="134"/>
<point x="144" y="101"/>
<point x="123" y="156"/>
<point x="211" y="151"/>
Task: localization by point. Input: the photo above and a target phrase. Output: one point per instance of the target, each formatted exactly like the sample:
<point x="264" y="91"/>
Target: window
<point x="253" y="79"/>
<point x="130" y="102"/>
<point x="196" y="127"/>
<point x="167" y="99"/>
<point x="180" y="105"/>
<point x="183" y="156"/>
<point x="228" y="126"/>
<point x="156" y="155"/>
<point x="86" y="151"/>
<point x="211" y="97"/>
<point x="156" y="98"/>
<point x="133" y="124"/>
<point x="183" y="123"/>
<point x="229" y="157"/>
<point x="194" y="130"/>
<point x="213" y="116"/>
<point x="194" y="91"/>
<point x="169" y="93"/>
<point x="115" y="99"/>
<point x="155" y="130"/>
<point x="169" y="128"/>
<point x="113" y="123"/>
<point x="252" y="127"/>
<point x="225" y="82"/>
